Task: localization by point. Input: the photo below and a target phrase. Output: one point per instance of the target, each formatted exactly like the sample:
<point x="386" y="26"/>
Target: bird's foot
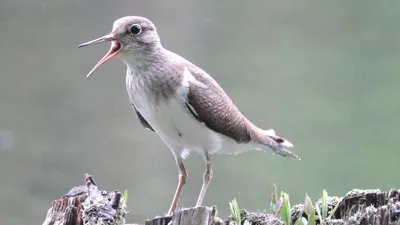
<point x="170" y="214"/>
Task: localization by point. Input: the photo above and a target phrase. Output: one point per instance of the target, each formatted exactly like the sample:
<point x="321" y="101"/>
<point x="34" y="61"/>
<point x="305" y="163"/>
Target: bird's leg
<point x="208" y="174"/>
<point x="181" y="182"/>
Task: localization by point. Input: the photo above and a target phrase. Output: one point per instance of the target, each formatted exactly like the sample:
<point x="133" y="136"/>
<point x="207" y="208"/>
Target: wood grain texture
<point x="190" y="216"/>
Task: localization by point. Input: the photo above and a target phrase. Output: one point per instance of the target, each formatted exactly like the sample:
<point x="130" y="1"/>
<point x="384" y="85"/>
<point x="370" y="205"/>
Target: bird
<point x="182" y="103"/>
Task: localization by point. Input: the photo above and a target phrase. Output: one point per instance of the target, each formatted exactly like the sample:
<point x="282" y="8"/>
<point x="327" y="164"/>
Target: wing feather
<point x="142" y="120"/>
<point x="210" y="105"/>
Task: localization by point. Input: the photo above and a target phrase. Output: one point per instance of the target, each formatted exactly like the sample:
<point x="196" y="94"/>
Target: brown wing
<point x="142" y="120"/>
<point x="210" y="105"/>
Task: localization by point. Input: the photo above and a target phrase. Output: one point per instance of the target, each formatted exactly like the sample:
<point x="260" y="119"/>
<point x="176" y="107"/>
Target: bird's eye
<point x="135" y="29"/>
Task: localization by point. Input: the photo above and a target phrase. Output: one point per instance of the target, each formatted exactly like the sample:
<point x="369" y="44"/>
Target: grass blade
<point x="274" y="194"/>
<point x="235" y="211"/>
<point x="274" y="198"/>
<point x="285" y="211"/>
<point x="311" y="218"/>
<point x="324" y="204"/>
<point x="299" y="221"/>
<point x="126" y="197"/>
<point x="319" y="213"/>
<point x="333" y="210"/>
<point x="308" y="206"/>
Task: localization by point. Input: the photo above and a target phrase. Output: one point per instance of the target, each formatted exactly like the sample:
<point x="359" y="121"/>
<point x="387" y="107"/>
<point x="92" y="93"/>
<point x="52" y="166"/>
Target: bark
<point x="87" y="205"/>
<point x="191" y="216"/>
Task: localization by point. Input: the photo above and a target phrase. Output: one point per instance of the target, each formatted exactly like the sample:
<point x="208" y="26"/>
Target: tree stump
<point x="87" y="205"/>
<point x="360" y="207"/>
<point x="372" y="207"/>
<point x="189" y="216"/>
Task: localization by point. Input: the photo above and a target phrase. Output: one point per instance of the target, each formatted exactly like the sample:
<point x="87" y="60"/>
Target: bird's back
<point x="214" y="105"/>
<point x="214" y="108"/>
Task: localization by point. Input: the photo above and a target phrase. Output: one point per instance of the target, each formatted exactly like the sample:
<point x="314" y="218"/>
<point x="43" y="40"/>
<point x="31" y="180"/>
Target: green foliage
<point x="285" y="210"/>
<point x="310" y="211"/>
<point x="235" y="211"/>
<point x="333" y="211"/>
<point x="299" y="221"/>
<point x="308" y="206"/>
<point x="282" y="206"/>
<point x="312" y="220"/>
<point x="319" y="213"/>
<point x="126" y="197"/>
<point x="322" y="211"/>
<point x="274" y="199"/>
<point x="324" y="204"/>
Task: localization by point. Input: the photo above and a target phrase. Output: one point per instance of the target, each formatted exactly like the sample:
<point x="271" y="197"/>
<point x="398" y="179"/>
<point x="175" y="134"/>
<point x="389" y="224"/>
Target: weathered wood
<point x="258" y="218"/>
<point x="87" y="205"/>
<point x="159" y="221"/>
<point x="190" y="216"/>
<point x="372" y="207"/>
<point x="361" y="207"/>
<point x="65" y="211"/>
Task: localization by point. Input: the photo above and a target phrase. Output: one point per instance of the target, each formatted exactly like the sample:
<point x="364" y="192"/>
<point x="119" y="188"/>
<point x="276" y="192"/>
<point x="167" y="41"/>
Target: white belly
<point x="176" y="126"/>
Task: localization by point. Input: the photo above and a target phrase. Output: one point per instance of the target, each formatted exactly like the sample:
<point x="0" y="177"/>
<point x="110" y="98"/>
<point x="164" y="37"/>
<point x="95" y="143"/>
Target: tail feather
<point x="278" y="144"/>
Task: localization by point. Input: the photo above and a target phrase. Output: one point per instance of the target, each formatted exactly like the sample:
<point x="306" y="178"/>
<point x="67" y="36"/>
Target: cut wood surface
<point x="191" y="216"/>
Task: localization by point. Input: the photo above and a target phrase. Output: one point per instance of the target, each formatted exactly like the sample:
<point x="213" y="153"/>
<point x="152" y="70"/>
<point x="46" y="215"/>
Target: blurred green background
<point x="324" y="74"/>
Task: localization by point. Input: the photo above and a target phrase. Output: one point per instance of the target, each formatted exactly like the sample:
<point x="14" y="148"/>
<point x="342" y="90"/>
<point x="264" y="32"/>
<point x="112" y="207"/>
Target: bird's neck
<point x="143" y="58"/>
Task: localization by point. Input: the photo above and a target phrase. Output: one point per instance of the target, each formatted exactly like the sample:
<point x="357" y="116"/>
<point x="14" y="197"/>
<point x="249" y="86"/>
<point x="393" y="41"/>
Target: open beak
<point x="114" y="50"/>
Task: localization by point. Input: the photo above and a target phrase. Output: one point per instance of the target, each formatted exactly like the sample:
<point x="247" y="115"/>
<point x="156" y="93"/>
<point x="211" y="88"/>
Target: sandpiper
<point x="181" y="103"/>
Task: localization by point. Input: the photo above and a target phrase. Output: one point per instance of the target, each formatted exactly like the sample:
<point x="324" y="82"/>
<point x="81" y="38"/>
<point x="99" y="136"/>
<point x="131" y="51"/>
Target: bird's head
<point x="130" y="35"/>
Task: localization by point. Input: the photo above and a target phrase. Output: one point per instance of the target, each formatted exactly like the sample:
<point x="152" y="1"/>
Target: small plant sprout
<point x="126" y="197"/>
<point x="235" y="211"/>
<point x="274" y="198"/>
<point x="310" y="211"/>
<point x="285" y="210"/>
<point x="324" y="204"/>
<point x="308" y="205"/>
<point x="312" y="219"/>
<point x="333" y="211"/>
<point x="324" y="216"/>
<point x="281" y="206"/>
<point x="320" y="211"/>
<point x="299" y="221"/>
